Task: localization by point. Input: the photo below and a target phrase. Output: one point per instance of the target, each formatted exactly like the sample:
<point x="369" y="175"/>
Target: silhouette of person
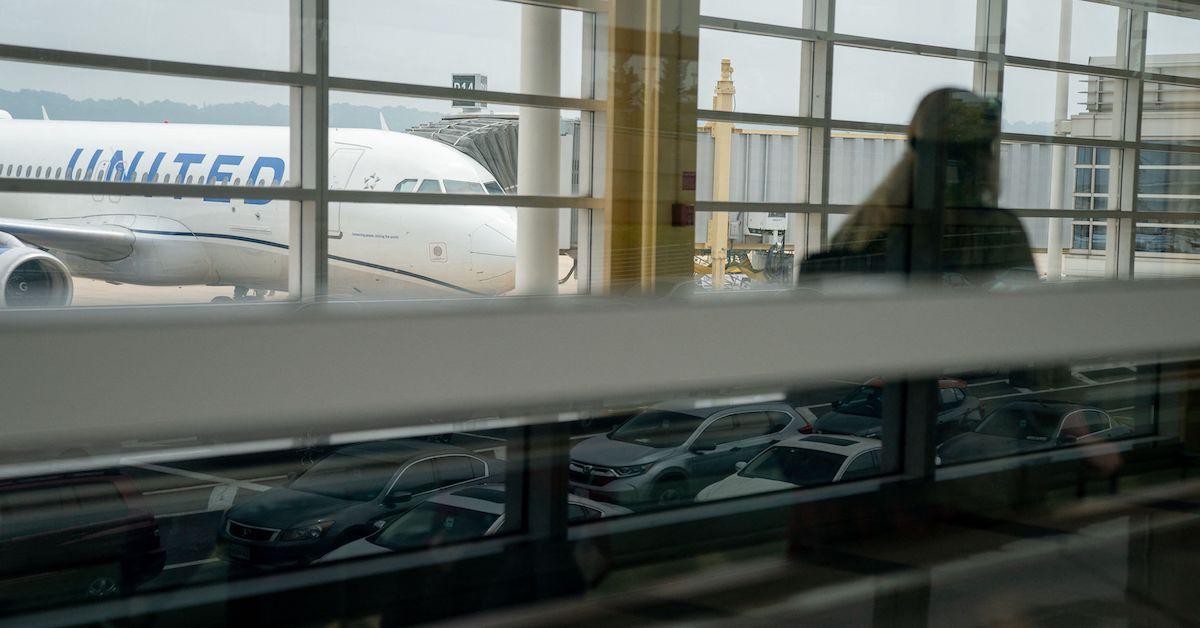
<point x="951" y="163"/>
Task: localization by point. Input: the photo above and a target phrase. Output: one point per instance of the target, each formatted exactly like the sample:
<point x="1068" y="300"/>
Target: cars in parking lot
<point x="74" y="536"/>
<point x="1025" y="426"/>
<point x="667" y="453"/>
<point x="802" y="461"/>
<point x="339" y="498"/>
<point x="860" y="413"/>
<point x="460" y="515"/>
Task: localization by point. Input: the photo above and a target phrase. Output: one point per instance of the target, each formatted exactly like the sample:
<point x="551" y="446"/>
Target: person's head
<point x="969" y="127"/>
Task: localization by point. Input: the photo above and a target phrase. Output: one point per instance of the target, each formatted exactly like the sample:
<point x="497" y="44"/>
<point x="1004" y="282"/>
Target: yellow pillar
<point x="651" y="151"/>
<point x="718" y="222"/>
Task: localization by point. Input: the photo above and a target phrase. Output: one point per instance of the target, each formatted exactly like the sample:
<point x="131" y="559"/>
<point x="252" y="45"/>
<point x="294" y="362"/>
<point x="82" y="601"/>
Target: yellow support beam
<point x="651" y="145"/>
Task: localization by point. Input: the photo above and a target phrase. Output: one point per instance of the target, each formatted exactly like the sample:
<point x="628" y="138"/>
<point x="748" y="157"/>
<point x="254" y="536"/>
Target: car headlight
<point x="636" y="469"/>
<point x="308" y="532"/>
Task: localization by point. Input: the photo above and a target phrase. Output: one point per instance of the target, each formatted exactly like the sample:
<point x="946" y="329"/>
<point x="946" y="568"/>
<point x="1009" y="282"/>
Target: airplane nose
<point x="494" y="255"/>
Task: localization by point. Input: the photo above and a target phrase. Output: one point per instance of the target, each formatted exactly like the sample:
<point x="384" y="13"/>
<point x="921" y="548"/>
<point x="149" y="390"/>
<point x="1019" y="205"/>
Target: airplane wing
<point x="100" y="242"/>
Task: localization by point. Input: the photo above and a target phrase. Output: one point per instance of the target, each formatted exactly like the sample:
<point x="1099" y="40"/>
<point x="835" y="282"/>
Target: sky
<point x="425" y="41"/>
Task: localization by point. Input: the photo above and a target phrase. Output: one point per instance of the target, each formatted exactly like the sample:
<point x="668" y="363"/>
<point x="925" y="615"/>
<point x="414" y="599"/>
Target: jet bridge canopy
<point x="490" y="140"/>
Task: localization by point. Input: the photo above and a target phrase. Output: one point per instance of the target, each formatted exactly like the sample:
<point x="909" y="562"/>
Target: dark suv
<point x="339" y="499"/>
<point x="860" y="413"/>
<point x="74" y="536"/>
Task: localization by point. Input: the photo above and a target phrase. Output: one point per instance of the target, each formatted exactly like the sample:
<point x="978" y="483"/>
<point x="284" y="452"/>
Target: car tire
<point x="669" y="493"/>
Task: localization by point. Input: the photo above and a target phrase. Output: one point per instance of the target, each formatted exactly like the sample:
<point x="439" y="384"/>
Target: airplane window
<point x="237" y="181"/>
<point x="189" y="180"/>
<point x="39" y="172"/>
<point x="493" y="187"/>
<point x="19" y="170"/>
<point x="1" y="170"/>
<point x="58" y="173"/>
<point x="10" y="170"/>
<point x="166" y="178"/>
<point x="431" y="186"/>
<point x="79" y="173"/>
<point x="407" y="185"/>
<point x="463" y="187"/>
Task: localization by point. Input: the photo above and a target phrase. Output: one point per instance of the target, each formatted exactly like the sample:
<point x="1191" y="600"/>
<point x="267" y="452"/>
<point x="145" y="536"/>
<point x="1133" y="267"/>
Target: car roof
<point x="832" y="443"/>
<point x="1060" y="407"/>
<point x="703" y="407"/>
<point x="943" y="382"/>
<point x="489" y="498"/>
<point x="397" y="450"/>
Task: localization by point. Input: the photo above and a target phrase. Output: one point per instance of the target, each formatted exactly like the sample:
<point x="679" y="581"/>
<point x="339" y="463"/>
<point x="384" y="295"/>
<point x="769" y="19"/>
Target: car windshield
<point x="794" y="465"/>
<point x="864" y="401"/>
<point x="347" y="477"/>
<point x="1020" y="422"/>
<point x="432" y="524"/>
<point x="658" y="429"/>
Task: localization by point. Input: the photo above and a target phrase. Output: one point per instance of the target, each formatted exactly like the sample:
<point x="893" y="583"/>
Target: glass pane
<point x="765" y="163"/>
<point x="1033" y="31"/>
<point x="1026" y="177"/>
<point x="939" y="22"/>
<point x="766" y="71"/>
<point x="225" y="32"/>
<point x="1171" y="35"/>
<point x="1029" y="105"/>
<point x="759" y="251"/>
<point x="1167" y="250"/>
<point x="1167" y="113"/>
<point x="858" y="162"/>
<point x="764" y="11"/>
<point x="437" y="140"/>
<point x="875" y="86"/>
<point x="114" y="127"/>
<point x="1081" y="247"/>
<point x="1168" y="181"/>
<point x="438" y="39"/>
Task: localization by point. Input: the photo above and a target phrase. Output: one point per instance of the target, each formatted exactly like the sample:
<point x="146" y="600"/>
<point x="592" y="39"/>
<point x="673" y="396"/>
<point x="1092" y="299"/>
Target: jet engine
<point x="31" y="277"/>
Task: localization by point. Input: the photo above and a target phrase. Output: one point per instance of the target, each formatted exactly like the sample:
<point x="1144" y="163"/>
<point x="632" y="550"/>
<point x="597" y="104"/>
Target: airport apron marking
<point x="226" y="236"/>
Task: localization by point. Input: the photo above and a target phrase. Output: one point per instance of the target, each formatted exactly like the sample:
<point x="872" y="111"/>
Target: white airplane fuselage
<point x="374" y="249"/>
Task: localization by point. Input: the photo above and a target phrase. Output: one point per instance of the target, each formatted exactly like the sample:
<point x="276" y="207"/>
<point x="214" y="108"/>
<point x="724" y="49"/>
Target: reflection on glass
<point x="801" y="462"/>
<point x="1026" y="426"/>
<point x="663" y="456"/>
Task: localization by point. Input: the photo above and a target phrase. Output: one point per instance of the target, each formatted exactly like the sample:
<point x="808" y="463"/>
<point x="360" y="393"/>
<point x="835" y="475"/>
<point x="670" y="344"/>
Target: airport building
<point x="594" y="312"/>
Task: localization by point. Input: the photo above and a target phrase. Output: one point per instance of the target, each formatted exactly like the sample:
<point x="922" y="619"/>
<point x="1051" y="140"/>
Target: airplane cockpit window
<point x="431" y="186"/>
<point x="463" y="187"/>
<point x="407" y="185"/>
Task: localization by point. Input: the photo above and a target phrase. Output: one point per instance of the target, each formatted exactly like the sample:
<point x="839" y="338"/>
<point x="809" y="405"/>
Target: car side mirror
<point x="397" y="498"/>
<point x="740" y="464"/>
<point x="379" y="524"/>
<point x="700" y="448"/>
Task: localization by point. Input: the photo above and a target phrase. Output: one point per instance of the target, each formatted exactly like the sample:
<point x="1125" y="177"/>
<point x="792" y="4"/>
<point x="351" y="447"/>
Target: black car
<point x="860" y="413"/>
<point x="74" y="536"/>
<point x="1024" y="426"/>
<point x="339" y="499"/>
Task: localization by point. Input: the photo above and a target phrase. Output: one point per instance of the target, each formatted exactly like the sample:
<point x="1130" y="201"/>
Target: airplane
<point x="374" y="249"/>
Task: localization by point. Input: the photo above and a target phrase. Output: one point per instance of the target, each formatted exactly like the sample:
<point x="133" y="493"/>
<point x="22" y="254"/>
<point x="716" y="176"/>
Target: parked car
<point x="802" y="461"/>
<point x="74" y="536"/>
<point x="1025" y="426"/>
<point x="665" y="454"/>
<point x="860" y="413"/>
<point x="338" y="499"/>
<point x="463" y="514"/>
